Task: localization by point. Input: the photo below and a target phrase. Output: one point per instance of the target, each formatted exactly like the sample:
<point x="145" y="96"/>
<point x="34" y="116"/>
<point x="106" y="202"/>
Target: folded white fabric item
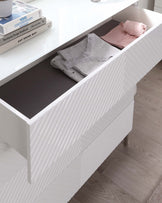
<point x="57" y="63"/>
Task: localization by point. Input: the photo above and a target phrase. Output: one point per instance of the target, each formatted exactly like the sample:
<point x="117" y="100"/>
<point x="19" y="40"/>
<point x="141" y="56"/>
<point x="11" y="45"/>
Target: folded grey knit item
<point x="71" y="54"/>
<point x="86" y="65"/>
<point x="57" y="63"/>
<point x="98" y="49"/>
<point x="84" y="57"/>
<point x="89" y="57"/>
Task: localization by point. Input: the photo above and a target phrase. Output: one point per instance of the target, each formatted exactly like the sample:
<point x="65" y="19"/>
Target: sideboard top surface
<point x="70" y="20"/>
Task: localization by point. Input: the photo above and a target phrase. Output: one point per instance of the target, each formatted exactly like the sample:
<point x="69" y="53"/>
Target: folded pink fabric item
<point x="134" y="28"/>
<point x="118" y="37"/>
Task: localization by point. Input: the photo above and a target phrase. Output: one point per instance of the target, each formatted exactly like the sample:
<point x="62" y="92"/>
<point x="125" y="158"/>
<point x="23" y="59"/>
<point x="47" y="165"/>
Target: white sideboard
<point x="65" y="141"/>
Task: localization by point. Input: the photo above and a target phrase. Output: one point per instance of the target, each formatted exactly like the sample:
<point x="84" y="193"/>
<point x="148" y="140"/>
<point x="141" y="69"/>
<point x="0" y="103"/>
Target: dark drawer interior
<point x="36" y="88"/>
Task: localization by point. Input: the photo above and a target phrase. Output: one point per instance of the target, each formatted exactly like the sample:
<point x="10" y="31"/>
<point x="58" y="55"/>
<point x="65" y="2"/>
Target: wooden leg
<point x="125" y="142"/>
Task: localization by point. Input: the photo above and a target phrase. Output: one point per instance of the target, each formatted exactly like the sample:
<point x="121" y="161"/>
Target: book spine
<point x="20" y="22"/>
<point x="21" y="31"/>
<point x="24" y="38"/>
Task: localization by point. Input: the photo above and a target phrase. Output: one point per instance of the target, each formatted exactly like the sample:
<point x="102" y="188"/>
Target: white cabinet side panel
<point x="13" y="129"/>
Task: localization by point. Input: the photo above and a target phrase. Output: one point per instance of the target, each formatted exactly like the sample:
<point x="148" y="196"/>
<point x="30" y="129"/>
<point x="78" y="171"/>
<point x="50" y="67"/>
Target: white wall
<point x="149" y="4"/>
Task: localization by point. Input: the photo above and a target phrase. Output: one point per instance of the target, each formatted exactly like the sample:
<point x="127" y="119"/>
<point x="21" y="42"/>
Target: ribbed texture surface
<point x="142" y="57"/>
<point x="65" y="130"/>
<point x="18" y="190"/>
<point x="58" y="129"/>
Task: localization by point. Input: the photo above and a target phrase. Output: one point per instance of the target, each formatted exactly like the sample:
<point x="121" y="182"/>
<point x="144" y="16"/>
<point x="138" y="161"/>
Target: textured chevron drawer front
<point x="57" y="130"/>
<point x="58" y="133"/>
<point x="146" y="53"/>
<point x="63" y="187"/>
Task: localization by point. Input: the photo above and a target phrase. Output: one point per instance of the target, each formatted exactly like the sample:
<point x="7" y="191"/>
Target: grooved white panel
<point x="143" y="56"/>
<point x="94" y="97"/>
<point x="85" y="140"/>
<point x="146" y="51"/>
<point x="59" y="128"/>
<point x="60" y="190"/>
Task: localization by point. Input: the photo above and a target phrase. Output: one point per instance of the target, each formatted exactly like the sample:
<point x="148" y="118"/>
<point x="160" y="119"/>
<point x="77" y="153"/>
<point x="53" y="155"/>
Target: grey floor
<point x="133" y="174"/>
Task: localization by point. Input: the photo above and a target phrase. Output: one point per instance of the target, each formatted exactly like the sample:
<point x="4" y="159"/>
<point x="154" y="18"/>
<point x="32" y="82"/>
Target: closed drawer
<point x="60" y="128"/>
<point x="51" y="133"/>
<point x="13" y="179"/>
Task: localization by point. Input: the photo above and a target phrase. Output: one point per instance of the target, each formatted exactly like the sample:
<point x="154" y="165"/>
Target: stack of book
<point x="25" y="23"/>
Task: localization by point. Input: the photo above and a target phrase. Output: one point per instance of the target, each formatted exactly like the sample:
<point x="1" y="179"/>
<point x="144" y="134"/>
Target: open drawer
<point x="55" y="130"/>
<point x="146" y="51"/>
